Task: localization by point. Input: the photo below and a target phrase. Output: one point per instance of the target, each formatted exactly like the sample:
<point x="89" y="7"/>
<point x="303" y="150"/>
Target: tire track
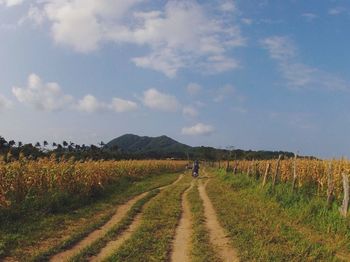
<point x="217" y="234"/>
<point x="182" y="241"/>
<point x="122" y="210"/>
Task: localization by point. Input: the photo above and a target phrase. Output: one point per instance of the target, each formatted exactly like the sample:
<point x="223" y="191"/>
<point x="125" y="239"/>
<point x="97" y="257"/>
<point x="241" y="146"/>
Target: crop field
<point x="155" y="211"/>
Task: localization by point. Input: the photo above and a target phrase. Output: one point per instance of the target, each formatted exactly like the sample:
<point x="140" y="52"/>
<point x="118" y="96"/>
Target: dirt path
<point x="93" y="236"/>
<point x="182" y="241"/>
<point x="217" y="234"/>
<point x="112" y="246"/>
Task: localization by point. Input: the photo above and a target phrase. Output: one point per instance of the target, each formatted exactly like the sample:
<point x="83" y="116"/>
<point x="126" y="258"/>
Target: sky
<point x="257" y="74"/>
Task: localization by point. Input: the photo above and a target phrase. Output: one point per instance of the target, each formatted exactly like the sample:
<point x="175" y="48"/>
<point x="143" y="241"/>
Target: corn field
<point x="306" y="171"/>
<point x="38" y="179"/>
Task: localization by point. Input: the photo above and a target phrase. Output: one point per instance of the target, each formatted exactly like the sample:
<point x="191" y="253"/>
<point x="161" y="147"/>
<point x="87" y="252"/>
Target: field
<point x="155" y="211"/>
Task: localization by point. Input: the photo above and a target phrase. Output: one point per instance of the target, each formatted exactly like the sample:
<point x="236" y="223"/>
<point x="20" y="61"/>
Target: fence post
<point x="256" y="170"/>
<point x="330" y="186"/>
<point x="266" y="173"/>
<point x="294" y="172"/>
<point x="235" y="167"/>
<point x="275" y="177"/>
<point x="344" y="208"/>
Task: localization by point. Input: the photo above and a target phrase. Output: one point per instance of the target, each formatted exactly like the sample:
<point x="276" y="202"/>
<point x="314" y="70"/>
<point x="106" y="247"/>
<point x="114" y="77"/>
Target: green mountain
<point x="134" y="146"/>
<point x="161" y="146"/>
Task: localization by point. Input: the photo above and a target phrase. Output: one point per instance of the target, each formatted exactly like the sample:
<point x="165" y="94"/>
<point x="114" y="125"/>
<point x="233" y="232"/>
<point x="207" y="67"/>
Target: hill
<point x="163" y="146"/>
<point x="152" y="146"/>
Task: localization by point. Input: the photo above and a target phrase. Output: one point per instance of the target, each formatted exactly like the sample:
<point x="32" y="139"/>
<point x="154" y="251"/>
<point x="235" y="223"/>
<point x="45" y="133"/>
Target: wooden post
<point x="266" y="174"/>
<point x="294" y="172"/>
<point x="344" y="208"/>
<point x="275" y="177"/>
<point x="330" y="186"/>
<point x="256" y="171"/>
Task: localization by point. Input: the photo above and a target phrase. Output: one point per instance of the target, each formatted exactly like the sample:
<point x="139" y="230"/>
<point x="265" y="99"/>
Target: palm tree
<point x="65" y="144"/>
<point x="20" y="144"/>
<point x="3" y="142"/>
<point x="54" y="144"/>
<point x="11" y="143"/>
<point x="37" y="145"/>
<point x="45" y="143"/>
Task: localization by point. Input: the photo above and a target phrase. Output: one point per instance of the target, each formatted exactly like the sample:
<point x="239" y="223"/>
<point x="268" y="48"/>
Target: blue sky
<point x="251" y="74"/>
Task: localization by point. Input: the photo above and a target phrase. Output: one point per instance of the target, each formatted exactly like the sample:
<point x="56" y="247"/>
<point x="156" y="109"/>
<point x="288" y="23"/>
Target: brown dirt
<point x="217" y="234"/>
<point x="93" y="236"/>
<point x="182" y="241"/>
<point x="112" y="246"/>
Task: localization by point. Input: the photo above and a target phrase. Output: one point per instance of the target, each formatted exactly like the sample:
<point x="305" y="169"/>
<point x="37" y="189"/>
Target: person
<point x="195" y="171"/>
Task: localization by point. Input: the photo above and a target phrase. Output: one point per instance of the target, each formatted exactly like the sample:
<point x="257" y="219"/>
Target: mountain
<point x="134" y="146"/>
<point x="161" y="146"/>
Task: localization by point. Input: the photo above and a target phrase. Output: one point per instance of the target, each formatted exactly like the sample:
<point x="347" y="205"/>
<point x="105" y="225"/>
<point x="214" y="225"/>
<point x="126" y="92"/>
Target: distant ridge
<point x="161" y="145"/>
<point x="136" y="146"/>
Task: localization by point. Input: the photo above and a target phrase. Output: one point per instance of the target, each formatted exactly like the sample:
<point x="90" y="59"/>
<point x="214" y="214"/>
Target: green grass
<point x="113" y="233"/>
<point x="259" y="226"/>
<point x="23" y="238"/>
<point x="202" y="250"/>
<point x="152" y="241"/>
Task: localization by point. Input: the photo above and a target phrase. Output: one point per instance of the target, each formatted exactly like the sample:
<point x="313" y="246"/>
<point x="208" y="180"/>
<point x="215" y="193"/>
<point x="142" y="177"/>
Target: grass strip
<point x="120" y="196"/>
<point x="113" y="233"/>
<point x="260" y="229"/>
<point x="202" y="250"/>
<point x="152" y="241"/>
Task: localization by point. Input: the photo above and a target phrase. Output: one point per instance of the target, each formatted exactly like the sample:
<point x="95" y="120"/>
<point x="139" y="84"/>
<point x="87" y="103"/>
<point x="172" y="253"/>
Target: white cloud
<point x="50" y="97"/>
<point x="90" y="104"/>
<point x="193" y="88"/>
<point x="228" y="6"/>
<point x="247" y="21"/>
<point x="154" y="99"/>
<point x="10" y="3"/>
<point x="5" y="103"/>
<point x="298" y="74"/>
<point x="190" y="111"/>
<point x="198" y="129"/>
<point x="35" y="15"/>
<point x="181" y="34"/>
<point x="164" y="60"/>
<point x="224" y="92"/>
<point x="43" y="96"/>
<point x="336" y="10"/>
<point x="309" y="16"/>
<point x="120" y="105"/>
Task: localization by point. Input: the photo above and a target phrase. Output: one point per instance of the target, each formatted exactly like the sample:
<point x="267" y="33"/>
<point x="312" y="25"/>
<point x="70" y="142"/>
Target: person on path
<point x="195" y="171"/>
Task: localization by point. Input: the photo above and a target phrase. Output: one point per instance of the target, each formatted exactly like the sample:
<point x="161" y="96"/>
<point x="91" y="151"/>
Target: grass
<point x="152" y="241"/>
<point x="202" y="250"/>
<point x="39" y="235"/>
<point x="113" y="233"/>
<point x="259" y="226"/>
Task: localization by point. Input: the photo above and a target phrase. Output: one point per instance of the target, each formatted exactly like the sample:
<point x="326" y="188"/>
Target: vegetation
<point x="308" y="172"/>
<point x="273" y="225"/>
<point x="165" y="147"/>
<point x="49" y="185"/>
<point x="201" y="249"/>
<point x="128" y="147"/>
<point x="21" y="231"/>
<point x="152" y="241"/>
<point x="112" y="234"/>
